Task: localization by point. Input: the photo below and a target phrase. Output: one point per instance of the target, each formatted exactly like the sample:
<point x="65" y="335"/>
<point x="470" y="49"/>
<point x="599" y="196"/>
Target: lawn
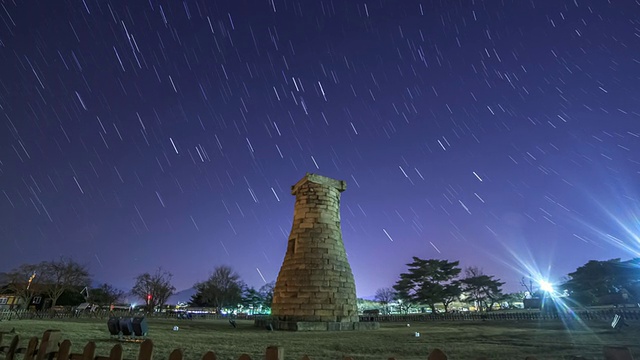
<point x="460" y="340"/>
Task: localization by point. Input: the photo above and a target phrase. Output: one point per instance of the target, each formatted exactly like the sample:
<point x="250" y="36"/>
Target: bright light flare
<point x="546" y="286"/>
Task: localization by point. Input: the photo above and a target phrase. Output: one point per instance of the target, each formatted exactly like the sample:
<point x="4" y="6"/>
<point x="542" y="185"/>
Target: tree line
<point x="434" y="283"/>
<point x="65" y="281"/>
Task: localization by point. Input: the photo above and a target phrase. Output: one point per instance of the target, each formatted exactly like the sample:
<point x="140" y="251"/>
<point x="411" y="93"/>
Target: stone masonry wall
<point x="315" y="282"/>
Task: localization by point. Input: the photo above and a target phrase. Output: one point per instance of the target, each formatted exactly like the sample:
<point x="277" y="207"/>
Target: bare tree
<point x="221" y="290"/>
<point x="24" y="282"/>
<point x="63" y="274"/>
<point x="483" y="290"/>
<point x="154" y="288"/>
<point x="384" y="296"/>
<point x="266" y="291"/>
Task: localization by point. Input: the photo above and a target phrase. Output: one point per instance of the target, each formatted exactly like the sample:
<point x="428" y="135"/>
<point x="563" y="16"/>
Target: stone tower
<point x="315" y="289"/>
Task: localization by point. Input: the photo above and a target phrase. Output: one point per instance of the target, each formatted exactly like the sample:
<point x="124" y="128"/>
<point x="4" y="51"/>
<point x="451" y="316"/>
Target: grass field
<point x="460" y="340"/>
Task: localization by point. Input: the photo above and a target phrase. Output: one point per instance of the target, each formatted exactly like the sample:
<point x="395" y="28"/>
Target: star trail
<point x="137" y="134"/>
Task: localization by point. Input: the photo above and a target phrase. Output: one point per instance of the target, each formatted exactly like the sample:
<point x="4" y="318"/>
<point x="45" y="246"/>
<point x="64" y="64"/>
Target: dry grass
<point x="460" y="340"/>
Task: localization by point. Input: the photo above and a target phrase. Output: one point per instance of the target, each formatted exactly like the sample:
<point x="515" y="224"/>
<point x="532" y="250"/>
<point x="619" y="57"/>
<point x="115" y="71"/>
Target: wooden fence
<point x="603" y="315"/>
<point x="52" y="347"/>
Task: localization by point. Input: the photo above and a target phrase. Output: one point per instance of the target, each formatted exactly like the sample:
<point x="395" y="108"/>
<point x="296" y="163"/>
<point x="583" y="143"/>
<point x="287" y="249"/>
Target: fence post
<point x="116" y="352"/>
<point x="31" y="350"/>
<point x="13" y="346"/>
<point x="437" y="354"/>
<point x="49" y="343"/>
<point x="274" y="353"/>
<point x="176" y="354"/>
<point x="617" y="353"/>
<point x="209" y="355"/>
<point x="89" y="352"/>
<point x="146" y="350"/>
<point x="65" y="350"/>
<point x="244" y="357"/>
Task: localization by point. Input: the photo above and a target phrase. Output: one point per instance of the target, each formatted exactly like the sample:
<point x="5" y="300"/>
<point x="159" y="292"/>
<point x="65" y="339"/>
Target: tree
<point x="63" y="274"/>
<point x="71" y="297"/>
<point x="365" y="305"/>
<point x="604" y="282"/>
<point x="252" y="299"/>
<point x="154" y="288"/>
<point x="266" y="291"/>
<point x="197" y="299"/>
<point x="511" y="298"/>
<point x="481" y="289"/>
<point x="403" y="289"/>
<point x="221" y="290"/>
<point x="384" y="296"/>
<point x="105" y="294"/>
<point x="24" y="282"/>
<point x="430" y="282"/>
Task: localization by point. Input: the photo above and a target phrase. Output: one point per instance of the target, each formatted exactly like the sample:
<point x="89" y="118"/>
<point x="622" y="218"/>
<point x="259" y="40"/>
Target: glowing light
<point x="31" y="280"/>
<point x="545" y="286"/>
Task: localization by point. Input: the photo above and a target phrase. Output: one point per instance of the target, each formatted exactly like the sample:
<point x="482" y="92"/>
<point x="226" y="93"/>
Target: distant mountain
<point x="181" y="296"/>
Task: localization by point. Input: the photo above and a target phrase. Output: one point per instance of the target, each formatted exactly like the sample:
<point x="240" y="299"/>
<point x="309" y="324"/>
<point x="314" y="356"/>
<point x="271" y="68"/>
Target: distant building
<point x="10" y="301"/>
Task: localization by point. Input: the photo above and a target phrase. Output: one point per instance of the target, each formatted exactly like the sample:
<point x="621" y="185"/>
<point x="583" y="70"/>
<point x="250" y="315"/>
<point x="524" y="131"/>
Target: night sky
<point x="138" y="134"/>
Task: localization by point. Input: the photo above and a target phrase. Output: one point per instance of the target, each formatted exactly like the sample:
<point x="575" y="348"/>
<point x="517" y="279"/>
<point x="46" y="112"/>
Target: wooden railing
<point x="52" y="348"/>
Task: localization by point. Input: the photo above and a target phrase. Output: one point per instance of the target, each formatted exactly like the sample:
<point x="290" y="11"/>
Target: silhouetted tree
<point x="154" y="288"/>
<point x="62" y="274"/>
<point x="605" y="282"/>
<point x="105" y="294"/>
<point x="71" y="297"/>
<point x="481" y="289"/>
<point x="25" y="282"/>
<point x="384" y="296"/>
<point x="252" y="299"/>
<point x="512" y="298"/>
<point x="430" y="282"/>
<point x="197" y="300"/>
<point x="266" y="291"/>
<point x="404" y="295"/>
<point x="221" y="290"/>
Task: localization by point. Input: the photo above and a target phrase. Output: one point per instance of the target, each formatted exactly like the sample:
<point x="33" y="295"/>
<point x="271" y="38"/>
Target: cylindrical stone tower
<point x="315" y="283"/>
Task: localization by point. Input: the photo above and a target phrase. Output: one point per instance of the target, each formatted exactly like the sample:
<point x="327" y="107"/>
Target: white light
<point x="546" y="286"/>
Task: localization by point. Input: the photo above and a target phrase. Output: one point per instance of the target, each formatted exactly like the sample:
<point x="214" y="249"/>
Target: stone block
<point x="323" y="313"/>
<point x="311" y="326"/>
<point x="369" y="325"/>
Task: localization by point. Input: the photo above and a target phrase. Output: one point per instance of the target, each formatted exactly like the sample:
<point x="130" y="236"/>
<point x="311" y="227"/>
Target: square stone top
<point x="340" y="185"/>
